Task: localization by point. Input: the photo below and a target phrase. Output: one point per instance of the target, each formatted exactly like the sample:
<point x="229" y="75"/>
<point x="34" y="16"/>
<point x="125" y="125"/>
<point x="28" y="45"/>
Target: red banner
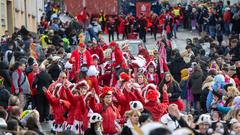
<point x="143" y="7"/>
<point x="110" y="7"/>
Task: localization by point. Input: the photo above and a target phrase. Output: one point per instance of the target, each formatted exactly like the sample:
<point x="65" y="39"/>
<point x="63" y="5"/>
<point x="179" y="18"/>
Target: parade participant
<point x="62" y="78"/>
<point x="173" y="90"/>
<point x="162" y="58"/>
<point x="111" y="28"/>
<point x="103" y="44"/>
<point x="142" y="80"/>
<point x="96" y="49"/>
<point x="81" y="60"/>
<point x="92" y="77"/>
<point x="155" y="23"/>
<point x="59" y="107"/>
<point x="142" y="24"/>
<point x="118" y="63"/>
<point x="153" y="105"/>
<point x="143" y="52"/>
<point x="105" y="78"/>
<point x="78" y="107"/>
<point x="108" y="111"/>
<point x="126" y="93"/>
<point x="152" y="76"/>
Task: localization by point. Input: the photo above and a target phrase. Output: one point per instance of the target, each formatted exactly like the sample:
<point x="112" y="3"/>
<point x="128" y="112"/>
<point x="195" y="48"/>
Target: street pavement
<point x="179" y="42"/>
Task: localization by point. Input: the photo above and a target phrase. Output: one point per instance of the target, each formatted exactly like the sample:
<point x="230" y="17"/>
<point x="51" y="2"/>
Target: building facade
<point x="18" y="13"/>
<point x="6" y="16"/>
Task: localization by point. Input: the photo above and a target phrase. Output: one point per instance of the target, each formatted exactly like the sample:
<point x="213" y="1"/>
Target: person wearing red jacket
<point x="118" y="62"/>
<point x="142" y="51"/>
<point x="125" y="94"/>
<point x="59" y="107"/>
<point x="152" y="76"/>
<point x="81" y="61"/>
<point x="31" y="77"/>
<point x="103" y="44"/>
<point x="96" y="49"/>
<point x="78" y="107"/>
<point x="62" y="79"/>
<point x="105" y="78"/>
<point x="109" y="112"/>
<point x="153" y="104"/>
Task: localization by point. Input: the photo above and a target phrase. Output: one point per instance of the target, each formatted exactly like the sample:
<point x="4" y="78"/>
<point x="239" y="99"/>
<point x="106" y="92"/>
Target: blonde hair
<point x="131" y="113"/>
<point x="208" y="79"/>
<point x="233" y="92"/>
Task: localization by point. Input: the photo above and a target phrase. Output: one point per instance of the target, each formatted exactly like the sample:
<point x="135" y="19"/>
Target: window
<point x="3" y="12"/>
<point x="31" y="7"/>
<point x="22" y="5"/>
<point x="17" y="5"/>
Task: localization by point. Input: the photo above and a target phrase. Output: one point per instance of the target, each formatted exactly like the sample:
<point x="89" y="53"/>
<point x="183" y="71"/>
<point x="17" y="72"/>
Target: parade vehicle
<point x="133" y="45"/>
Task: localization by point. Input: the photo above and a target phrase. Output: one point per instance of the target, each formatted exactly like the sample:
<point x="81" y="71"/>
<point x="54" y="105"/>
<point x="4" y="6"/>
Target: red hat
<point x="106" y="91"/>
<point x="71" y="86"/>
<point x="95" y="56"/>
<point x="124" y="77"/>
<point x="151" y="63"/>
<point x="151" y="86"/>
<point x="82" y="45"/>
<point x="152" y="95"/>
<point x="112" y="44"/>
<point x="82" y="84"/>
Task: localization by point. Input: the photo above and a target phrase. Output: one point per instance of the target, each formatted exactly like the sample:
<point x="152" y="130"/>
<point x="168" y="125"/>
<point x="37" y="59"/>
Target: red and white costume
<point x="153" y="105"/>
<point x="117" y="60"/>
<point x="99" y="52"/>
<point x="77" y="110"/>
<point x="152" y="77"/>
<point x="80" y="60"/>
<point x="105" y="78"/>
<point x="109" y="113"/>
<point x="162" y="58"/>
<point x="59" y="107"/>
<point x="124" y="96"/>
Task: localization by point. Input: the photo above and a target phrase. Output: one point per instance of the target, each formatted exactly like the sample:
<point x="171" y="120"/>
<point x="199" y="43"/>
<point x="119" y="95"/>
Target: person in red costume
<point x="103" y="44"/>
<point x="152" y="76"/>
<point x="78" y="107"/>
<point x="92" y="77"/>
<point x="59" y="107"/>
<point x="153" y="105"/>
<point x="81" y="61"/>
<point x="105" y="78"/>
<point x="126" y="93"/>
<point x="142" y="80"/>
<point x="142" y="51"/>
<point x="118" y="62"/>
<point x="62" y="79"/>
<point x="108" y="111"/>
<point x="96" y="49"/>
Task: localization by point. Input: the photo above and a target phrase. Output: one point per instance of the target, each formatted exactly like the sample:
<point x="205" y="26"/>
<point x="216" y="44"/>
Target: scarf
<point x="137" y="130"/>
<point x="162" y="57"/>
